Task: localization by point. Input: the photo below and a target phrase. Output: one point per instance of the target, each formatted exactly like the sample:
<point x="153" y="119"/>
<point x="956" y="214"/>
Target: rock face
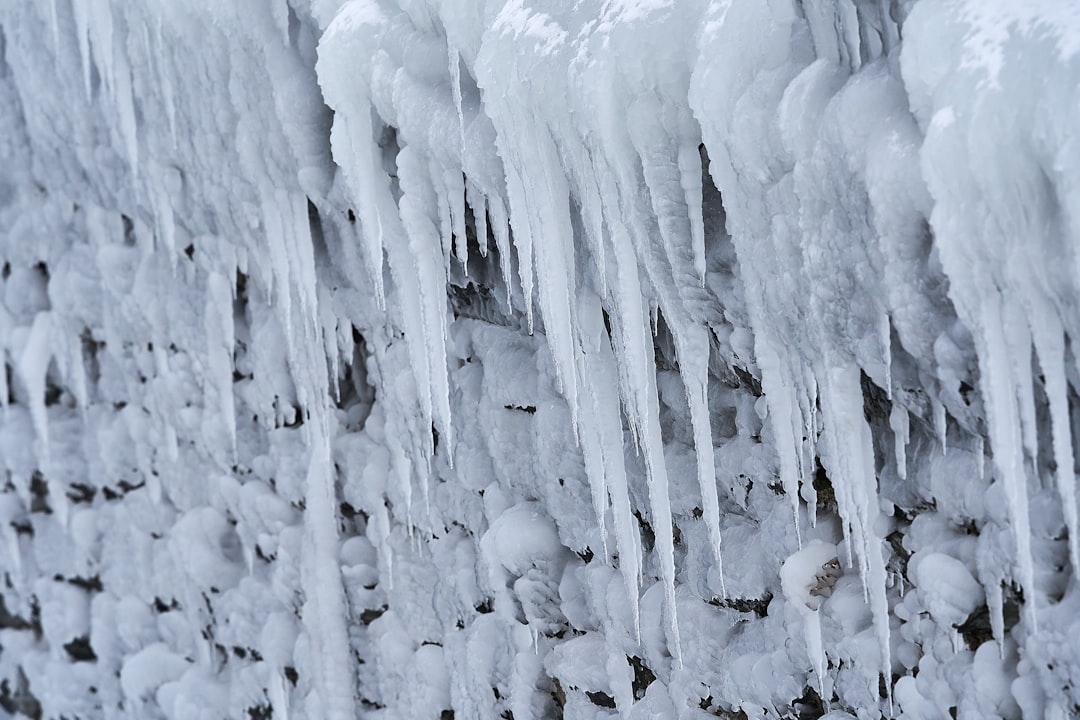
<point x="431" y="359"/>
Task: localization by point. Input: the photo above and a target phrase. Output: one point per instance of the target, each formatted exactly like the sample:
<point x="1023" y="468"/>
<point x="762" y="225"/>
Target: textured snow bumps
<point x="274" y="409"/>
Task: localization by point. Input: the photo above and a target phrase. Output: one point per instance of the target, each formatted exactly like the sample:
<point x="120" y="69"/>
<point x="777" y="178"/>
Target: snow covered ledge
<point x="476" y="359"/>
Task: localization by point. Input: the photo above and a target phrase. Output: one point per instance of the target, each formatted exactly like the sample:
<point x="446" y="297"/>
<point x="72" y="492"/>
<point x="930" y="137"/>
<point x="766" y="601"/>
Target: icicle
<point x="851" y="468"/>
<point x="148" y="51"/>
<point x="995" y="603"/>
<point x="602" y="438"/>
<point x="594" y="470"/>
<point x="82" y="34"/>
<point x="33" y="367"/>
<point x="369" y="183"/>
<point x="220" y="339"/>
<point x="1018" y="341"/>
<point x="418" y="267"/>
<point x="690" y="175"/>
<point x="501" y="227"/>
<point x="167" y="92"/>
<point x="302" y="263"/>
<point x="592" y="212"/>
<point x="455" y="190"/>
<point x="900" y="424"/>
<point x="101" y="29"/>
<point x="332" y="339"/>
<point x="125" y="104"/>
<point x="675" y="192"/>
<point x="1050" y="344"/>
<point x="940" y="426"/>
<point x="542" y="208"/>
<point x="455" y="89"/>
<point x="590" y="334"/>
<point x="626" y="534"/>
<point x="890" y="33"/>
<point x="694" y="367"/>
<point x="637" y="359"/>
<point x="781" y="416"/>
<point x="275" y="229"/>
<point x="327" y="621"/>
<point x="164" y="218"/>
<point x="816" y="650"/>
<point x="400" y="465"/>
<point x="307" y="360"/>
<point x="478" y="203"/>
<point x="409" y="295"/>
<point x="522" y="239"/>
<point x="1000" y="396"/>
<point x="279" y="11"/>
<point x="446" y="223"/>
<point x="76" y="370"/>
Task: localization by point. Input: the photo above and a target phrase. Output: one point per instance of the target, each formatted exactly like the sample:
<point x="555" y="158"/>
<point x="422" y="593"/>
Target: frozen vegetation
<point x="523" y="359"/>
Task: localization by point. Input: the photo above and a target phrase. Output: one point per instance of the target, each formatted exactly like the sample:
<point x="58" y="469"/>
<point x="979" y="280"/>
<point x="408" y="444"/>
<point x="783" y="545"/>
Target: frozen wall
<point x="440" y="358"/>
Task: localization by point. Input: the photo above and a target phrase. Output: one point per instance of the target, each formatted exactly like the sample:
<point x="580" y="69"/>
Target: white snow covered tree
<point x="539" y="359"/>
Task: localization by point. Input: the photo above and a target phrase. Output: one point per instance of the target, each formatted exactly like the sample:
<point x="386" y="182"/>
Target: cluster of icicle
<point x="839" y="151"/>
<point x="900" y="199"/>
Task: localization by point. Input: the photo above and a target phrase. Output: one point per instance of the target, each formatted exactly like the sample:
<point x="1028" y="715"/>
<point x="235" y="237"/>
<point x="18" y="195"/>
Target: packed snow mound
<point x="530" y="358"/>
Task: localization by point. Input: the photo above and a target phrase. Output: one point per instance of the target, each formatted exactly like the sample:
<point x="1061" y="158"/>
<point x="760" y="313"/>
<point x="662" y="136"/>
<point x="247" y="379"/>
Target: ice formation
<point x="535" y="358"/>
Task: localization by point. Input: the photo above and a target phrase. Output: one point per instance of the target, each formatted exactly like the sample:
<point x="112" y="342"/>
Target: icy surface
<point x="529" y="359"/>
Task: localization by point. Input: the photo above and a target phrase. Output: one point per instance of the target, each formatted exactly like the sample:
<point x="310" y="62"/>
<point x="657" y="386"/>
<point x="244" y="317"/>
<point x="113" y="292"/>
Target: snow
<point x="946" y="588"/>
<point x="410" y="358"/>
